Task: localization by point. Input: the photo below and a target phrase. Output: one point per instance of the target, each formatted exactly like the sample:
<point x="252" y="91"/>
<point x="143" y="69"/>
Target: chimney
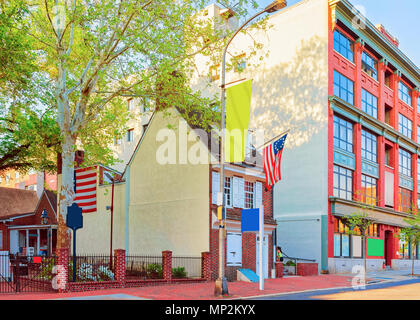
<point x="390" y="37"/>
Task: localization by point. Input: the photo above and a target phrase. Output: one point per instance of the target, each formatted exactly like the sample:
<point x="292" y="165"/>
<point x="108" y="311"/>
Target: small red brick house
<point x="28" y="225"/>
<point x="244" y="188"/>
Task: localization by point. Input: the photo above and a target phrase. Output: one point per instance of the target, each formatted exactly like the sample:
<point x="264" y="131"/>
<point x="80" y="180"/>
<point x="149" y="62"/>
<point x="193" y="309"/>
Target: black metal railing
<point x="141" y="267"/>
<point x="91" y="268"/>
<point x="292" y="261"/>
<point x="26" y="273"/>
<point x="186" y="267"/>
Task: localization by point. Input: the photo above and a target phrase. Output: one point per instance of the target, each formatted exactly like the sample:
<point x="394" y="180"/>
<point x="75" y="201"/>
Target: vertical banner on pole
<point x="261" y="275"/>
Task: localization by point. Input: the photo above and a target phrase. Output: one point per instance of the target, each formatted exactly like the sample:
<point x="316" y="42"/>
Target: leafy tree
<point x="411" y="234"/>
<point x="358" y="224"/>
<point x="95" y="54"/>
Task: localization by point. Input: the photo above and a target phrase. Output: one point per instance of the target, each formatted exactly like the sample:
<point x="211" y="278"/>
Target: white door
<point x="265" y="256"/>
<point x="234" y="249"/>
<point x="14" y="241"/>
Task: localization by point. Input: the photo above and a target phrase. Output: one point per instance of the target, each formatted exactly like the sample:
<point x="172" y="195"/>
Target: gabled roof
<point x="52" y="198"/>
<point x="16" y="202"/>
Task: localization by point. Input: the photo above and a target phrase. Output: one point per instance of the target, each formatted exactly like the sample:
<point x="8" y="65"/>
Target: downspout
<point x="127" y="209"/>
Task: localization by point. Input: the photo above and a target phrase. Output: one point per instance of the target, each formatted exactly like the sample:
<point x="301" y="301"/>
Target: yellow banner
<point x="238" y="107"/>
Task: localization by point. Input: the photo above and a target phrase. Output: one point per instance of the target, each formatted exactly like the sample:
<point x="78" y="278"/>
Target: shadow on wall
<point x="293" y="95"/>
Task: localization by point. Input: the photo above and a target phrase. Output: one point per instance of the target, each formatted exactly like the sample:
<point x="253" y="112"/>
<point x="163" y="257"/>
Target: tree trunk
<point x="364" y="258"/>
<point x="67" y="190"/>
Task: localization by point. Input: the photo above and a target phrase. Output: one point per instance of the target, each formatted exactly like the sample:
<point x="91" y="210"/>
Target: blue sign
<point x="250" y="220"/>
<point x="74" y="219"/>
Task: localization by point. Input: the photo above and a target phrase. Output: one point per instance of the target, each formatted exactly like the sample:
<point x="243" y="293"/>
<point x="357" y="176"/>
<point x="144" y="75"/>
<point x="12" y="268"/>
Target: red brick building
<point x="27" y="224"/>
<point x="244" y="189"/>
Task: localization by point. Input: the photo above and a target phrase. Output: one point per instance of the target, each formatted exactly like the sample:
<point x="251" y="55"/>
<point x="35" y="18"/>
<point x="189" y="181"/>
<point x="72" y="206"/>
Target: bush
<point x="154" y="271"/>
<point x="179" y="272"/>
<point x="290" y="263"/>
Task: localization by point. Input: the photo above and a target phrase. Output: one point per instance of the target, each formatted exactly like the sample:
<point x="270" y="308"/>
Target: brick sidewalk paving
<point x="203" y="291"/>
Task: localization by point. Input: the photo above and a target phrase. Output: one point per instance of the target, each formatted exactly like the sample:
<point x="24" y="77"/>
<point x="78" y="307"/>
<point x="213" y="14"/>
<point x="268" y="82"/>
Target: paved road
<point x="398" y="290"/>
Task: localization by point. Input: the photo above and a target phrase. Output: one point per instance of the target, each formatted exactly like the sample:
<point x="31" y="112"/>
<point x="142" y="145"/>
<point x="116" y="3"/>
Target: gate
<point x="26" y="274"/>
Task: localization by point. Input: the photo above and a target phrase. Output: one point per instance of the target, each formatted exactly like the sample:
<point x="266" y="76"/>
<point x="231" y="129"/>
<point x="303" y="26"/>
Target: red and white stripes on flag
<point x="85" y="181"/>
<point x="272" y="161"/>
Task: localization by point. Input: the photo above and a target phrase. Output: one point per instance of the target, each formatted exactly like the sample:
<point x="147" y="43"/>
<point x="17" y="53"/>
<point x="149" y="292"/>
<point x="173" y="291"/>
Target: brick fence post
<point x="119" y="266"/>
<point x="62" y="270"/>
<point x="205" y="266"/>
<point x="279" y="269"/>
<point x="167" y="265"/>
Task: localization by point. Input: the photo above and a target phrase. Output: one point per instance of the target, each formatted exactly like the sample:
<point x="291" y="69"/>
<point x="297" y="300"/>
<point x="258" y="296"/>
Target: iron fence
<point x="26" y="274"/>
<point x="186" y="267"/>
<point x="143" y="267"/>
<point x="91" y="268"/>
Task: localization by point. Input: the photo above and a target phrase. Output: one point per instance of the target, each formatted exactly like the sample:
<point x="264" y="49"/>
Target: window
<point x="240" y="63"/>
<point x="369" y="104"/>
<point x="130" y="135"/>
<point x="343" y="87"/>
<point x="343" y="183"/>
<point x="346" y="245"/>
<point x="404" y="250"/>
<point x="404" y="93"/>
<point x="117" y="141"/>
<point x="130" y="105"/>
<point x="388" y="156"/>
<point x="405" y="200"/>
<point x="418" y="104"/>
<point x="214" y="72"/>
<point x="404" y="162"/>
<point x="343" y="45"/>
<point x="1" y="239"/>
<point x="369" y="190"/>
<point x="369" y="65"/>
<point x="418" y="134"/>
<point x="228" y="191"/>
<point x="405" y="126"/>
<point x="249" y="195"/>
<point x="7" y="178"/>
<point x="343" y="134"/>
<point x="373" y="230"/>
<point x="369" y="146"/>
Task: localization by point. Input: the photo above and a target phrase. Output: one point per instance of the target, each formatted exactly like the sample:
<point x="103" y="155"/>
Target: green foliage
<point x="179" y="272"/>
<point x="411" y="233"/>
<point x="358" y="220"/>
<point x="154" y="271"/>
<point x="290" y="263"/>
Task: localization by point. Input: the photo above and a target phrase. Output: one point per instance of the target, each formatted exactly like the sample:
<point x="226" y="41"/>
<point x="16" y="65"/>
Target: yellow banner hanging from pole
<point x="238" y="107"/>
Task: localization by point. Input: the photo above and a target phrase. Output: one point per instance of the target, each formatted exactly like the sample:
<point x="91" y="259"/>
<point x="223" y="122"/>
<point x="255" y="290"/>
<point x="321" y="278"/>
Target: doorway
<point x="388" y="247"/>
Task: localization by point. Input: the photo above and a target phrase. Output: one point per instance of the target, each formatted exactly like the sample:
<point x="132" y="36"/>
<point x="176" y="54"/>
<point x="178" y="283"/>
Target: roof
<point x="15" y="202"/>
<point x="52" y="198"/>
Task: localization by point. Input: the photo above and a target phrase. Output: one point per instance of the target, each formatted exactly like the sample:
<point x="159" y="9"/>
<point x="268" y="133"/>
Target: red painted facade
<point x="386" y="91"/>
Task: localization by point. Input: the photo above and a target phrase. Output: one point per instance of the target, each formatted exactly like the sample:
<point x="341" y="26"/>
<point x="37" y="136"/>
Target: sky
<point x="401" y="18"/>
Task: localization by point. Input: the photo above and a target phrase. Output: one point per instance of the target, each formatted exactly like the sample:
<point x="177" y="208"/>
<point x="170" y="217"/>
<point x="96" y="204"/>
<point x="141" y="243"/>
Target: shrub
<point x="154" y="271"/>
<point x="290" y="263"/>
<point x="179" y="272"/>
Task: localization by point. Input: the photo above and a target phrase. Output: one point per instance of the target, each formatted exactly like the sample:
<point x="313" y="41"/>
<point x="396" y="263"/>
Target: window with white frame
<point x="343" y="183"/>
<point x="369" y="103"/>
<point x="249" y="195"/>
<point x="130" y="104"/>
<point x="228" y="191"/>
<point x="404" y="162"/>
<point x="130" y="135"/>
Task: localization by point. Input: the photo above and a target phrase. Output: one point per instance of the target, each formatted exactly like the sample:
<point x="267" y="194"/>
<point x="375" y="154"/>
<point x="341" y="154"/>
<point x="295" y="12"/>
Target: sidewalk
<point x="200" y="291"/>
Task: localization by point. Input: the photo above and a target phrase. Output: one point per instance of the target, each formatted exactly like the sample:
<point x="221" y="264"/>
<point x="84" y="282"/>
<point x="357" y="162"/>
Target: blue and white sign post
<point x="253" y="220"/>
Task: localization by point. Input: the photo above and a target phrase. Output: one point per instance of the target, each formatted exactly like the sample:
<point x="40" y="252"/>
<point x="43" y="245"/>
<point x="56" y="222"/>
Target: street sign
<point x="250" y="220"/>
<point x="74" y="219"/>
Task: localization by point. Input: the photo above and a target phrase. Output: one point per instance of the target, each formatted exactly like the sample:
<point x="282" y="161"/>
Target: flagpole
<point x="279" y="135"/>
<point x="221" y="287"/>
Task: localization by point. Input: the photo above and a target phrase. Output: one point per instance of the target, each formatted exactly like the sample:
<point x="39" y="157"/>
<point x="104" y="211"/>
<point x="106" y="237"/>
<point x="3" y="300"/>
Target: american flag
<point x="85" y="188"/>
<point x="272" y="158"/>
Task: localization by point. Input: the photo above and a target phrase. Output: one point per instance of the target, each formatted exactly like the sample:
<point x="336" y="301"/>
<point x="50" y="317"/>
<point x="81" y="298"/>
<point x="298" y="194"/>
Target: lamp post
<point x="221" y="287"/>
<point x="112" y="178"/>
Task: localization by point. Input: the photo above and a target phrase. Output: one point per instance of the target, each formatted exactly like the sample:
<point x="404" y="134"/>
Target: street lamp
<point x="221" y="287"/>
<point x="113" y="179"/>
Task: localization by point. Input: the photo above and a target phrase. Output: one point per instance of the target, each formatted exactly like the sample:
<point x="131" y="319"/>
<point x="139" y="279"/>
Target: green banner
<point x="238" y="107"/>
<point x="375" y="247"/>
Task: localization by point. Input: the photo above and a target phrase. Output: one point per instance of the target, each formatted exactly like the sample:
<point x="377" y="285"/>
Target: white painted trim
<point x="42" y="226"/>
<point x="244" y="171"/>
<point x="17" y="217"/>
